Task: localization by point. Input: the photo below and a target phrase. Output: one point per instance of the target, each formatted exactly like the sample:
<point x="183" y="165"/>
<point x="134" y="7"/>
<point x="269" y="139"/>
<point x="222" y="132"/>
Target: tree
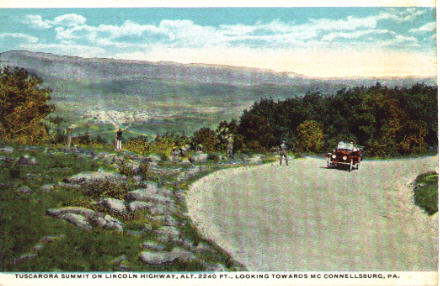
<point x="309" y="136"/>
<point x="24" y="104"/>
<point x="205" y="137"/>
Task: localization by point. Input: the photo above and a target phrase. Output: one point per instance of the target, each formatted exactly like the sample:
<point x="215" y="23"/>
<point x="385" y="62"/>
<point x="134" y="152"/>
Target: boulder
<point x="77" y="220"/>
<point x="24" y="190"/>
<point x="6" y="149"/>
<point x="75" y="214"/>
<point x="165" y="192"/>
<point x="215" y="267"/>
<point x="144" y="194"/>
<point x="199" y="157"/>
<point x="114" y="205"/>
<point x="47" y="187"/>
<point x="153" y="245"/>
<point x="95" y="177"/>
<point x="167" y="220"/>
<point x="27" y="160"/>
<point x="160" y="257"/>
<point x="156" y="258"/>
<point x="168" y="234"/>
<point x="139" y="205"/>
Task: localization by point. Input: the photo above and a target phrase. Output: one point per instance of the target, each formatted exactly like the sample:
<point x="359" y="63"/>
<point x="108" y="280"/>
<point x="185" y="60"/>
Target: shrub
<point x="426" y="192"/>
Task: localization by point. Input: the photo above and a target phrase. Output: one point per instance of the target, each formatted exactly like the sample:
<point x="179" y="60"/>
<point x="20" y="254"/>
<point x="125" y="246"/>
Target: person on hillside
<point x="119" y="140"/>
<point x="230" y="147"/>
<point x="68" y="137"/>
<point x="283" y="153"/>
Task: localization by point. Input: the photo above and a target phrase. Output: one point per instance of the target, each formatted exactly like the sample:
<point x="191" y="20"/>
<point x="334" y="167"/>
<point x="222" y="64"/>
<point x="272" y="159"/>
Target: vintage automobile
<point x="346" y="154"/>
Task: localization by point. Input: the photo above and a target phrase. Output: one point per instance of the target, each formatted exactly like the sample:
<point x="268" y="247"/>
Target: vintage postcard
<point x="166" y="143"/>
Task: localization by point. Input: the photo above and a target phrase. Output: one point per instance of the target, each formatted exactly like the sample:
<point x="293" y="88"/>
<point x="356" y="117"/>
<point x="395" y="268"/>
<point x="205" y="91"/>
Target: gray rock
<point x="6" y="149"/>
<point x="215" y="267"/>
<point x="159" y="209"/>
<point x="76" y="210"/>
<point x="51" y="238"/>
<point x="75" y="215"/>
<point x="199" y="157"/>
<point x="24" y="190"/>
<point x="27" y="160"/>
<point x="37" y="247"/>
<point x="156" y="258"/>
<point x="160" y="257"/>
<point x="153" y="158"/>
<point x="137" y="179"/>
<point x="256" y="159"/>
<point x="203" y="247"/>
<point x="145" y="194"/>
<point x="77" y="220"/>
<point x="115" y="205"/>
<point x="139" y="205"/>
<point x="167" y="220"/>
<point x="69" y="186"/>
<point x="183" y="255"/>
<point x="24" y="257"/>
<point x="95" y="177"/>
<point x="168" y="234"/>
<point x="153" y="245"/>
<point x="165" y="192"/>
<point x="47" y="187"/>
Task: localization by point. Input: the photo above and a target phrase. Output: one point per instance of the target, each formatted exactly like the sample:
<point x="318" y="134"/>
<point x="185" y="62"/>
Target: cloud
<point x="20" y="36"/>
<point x="354" y="35"/>
<point x="36" y="21"/>
<point x="429" y="27"/>
<point x="66" y="20"/>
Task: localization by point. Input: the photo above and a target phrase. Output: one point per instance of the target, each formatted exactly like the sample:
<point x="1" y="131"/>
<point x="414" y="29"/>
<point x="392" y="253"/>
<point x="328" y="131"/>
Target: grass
<point x="24" y="223"/>
<point x="426" y="192"/>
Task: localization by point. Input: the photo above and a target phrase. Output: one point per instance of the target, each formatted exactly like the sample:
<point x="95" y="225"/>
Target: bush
<point x="207" y="138"/>
<point x="426" y="192"/>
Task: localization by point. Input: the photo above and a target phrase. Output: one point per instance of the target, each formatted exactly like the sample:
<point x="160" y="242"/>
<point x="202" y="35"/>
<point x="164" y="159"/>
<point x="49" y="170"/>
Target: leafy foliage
<point x="386" y="121"/>
<point x="426" y="192"/>
<point x="24" y="104"/>
<point x="309" y="136"/>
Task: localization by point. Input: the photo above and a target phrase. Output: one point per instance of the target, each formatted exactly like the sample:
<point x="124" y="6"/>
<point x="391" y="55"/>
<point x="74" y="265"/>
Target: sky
<point x="316" y="42"/>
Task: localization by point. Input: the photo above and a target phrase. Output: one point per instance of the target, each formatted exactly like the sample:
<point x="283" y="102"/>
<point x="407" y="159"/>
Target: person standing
<point x="68" y="137"/>
<point x="119" y="140"/>
<point x="283" y="153"/>
<point x="230" y="147"/>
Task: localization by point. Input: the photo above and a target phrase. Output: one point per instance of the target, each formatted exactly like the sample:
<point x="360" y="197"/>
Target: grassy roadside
<point x="24" y="223"/>
<point x="426" y="192"/>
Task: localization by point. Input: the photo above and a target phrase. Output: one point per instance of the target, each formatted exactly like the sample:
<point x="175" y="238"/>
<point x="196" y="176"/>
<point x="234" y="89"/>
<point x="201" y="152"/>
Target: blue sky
<point x="322" y="42"/>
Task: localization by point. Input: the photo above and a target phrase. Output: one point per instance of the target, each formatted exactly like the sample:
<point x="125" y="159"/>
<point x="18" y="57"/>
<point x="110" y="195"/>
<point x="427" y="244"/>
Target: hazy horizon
<point x="314" y="42"/>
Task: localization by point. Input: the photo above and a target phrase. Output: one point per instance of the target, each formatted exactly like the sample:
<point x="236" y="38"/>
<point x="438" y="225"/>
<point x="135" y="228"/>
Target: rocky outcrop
<point x="86" y="178"/>
<point x="161" y="257"/>
<point x="114" y="205"/>
<point x="86" y="218"/>
<point x="199" y="157"/>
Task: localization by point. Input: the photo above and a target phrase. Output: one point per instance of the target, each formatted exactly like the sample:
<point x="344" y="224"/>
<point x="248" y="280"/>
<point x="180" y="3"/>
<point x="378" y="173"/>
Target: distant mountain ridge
<point x="77" y="68"/>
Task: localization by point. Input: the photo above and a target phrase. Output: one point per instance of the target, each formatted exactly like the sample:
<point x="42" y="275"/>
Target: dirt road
<point x="305" y="217"/>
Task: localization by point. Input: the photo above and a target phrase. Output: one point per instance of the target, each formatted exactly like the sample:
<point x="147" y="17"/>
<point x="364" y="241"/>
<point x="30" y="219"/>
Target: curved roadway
<point x="305" y="217"/>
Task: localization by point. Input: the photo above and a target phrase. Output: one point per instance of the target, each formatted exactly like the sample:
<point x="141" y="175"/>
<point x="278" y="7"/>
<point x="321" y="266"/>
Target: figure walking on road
<point x="119" y="140"/>
<point x="283" y="153"/>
